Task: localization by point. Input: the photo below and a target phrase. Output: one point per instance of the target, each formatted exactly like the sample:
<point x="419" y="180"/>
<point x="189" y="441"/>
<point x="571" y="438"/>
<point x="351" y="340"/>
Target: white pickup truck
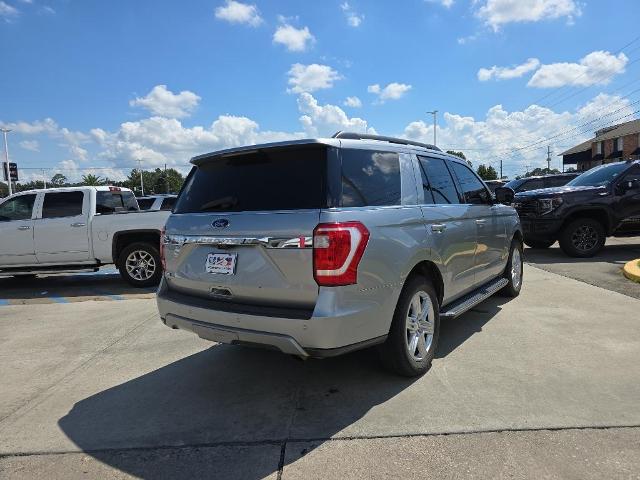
<point x="80" y="229"/>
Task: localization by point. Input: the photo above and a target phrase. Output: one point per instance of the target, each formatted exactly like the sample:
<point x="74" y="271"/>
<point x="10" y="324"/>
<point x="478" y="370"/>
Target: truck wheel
<point x="583" y="238"/>
<point x="139" y="264"/>
<point x="539" y="243"/>
<point x="513" y="271"/>
<point x="413" y="337"/>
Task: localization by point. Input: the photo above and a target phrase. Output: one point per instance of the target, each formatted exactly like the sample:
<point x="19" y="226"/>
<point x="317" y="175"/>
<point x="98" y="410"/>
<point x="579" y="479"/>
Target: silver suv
<point x="324" y="246"/>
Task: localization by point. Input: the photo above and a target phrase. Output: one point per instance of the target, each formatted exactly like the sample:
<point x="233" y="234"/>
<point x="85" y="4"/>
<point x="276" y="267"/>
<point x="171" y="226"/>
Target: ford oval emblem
<point x="220" y="223"/>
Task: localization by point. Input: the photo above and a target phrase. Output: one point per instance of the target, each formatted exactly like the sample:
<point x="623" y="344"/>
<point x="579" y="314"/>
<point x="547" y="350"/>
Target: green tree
<point x="487" y="173"/>
<point x="4" y="190"/>
<point x="58" y="180"/>
<point x="91" y="180"/>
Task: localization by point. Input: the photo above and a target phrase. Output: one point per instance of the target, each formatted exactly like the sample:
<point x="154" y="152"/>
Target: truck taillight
<point x="163" y="258"/>
<point x="337" y="250"/>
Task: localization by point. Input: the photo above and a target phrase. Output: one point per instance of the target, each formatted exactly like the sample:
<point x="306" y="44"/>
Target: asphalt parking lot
<point x="542" y="386"/>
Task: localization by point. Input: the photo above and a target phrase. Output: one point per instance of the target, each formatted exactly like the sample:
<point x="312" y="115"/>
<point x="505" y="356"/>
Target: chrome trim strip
<point x="266" y="242"/>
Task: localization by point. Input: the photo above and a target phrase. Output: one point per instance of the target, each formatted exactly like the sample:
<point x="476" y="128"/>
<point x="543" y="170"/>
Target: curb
<point x="631" y="270"/>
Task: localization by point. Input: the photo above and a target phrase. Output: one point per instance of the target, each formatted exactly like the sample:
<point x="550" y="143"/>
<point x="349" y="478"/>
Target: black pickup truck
<point x="600" y="203"/>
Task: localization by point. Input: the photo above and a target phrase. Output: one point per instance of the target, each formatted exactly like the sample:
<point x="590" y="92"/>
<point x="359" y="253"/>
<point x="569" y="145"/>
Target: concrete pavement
<point x="109" y="379"/>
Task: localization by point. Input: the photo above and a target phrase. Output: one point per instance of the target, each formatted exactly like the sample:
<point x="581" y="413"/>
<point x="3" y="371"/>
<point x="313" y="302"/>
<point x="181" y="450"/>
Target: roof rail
<point x="382" y="138"/>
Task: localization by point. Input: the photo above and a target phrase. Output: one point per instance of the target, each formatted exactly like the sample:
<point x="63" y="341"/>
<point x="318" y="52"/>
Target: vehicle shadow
<point x="87" y="285"/>
<point x="611" y="253"/>
<point x="235" y="397"/>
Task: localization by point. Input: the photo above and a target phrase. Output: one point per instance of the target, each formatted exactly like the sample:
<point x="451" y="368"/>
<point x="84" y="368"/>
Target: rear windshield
<point x="114" y="202"/>
<point x="145" y="203"/>
<point x="270" y="179"/>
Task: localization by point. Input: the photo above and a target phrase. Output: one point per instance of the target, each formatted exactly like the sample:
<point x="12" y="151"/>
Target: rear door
<point x="628" y="203"/>
<point x="16" y="231"/>
<point x="243" y="225"/>
<point x="62" y="233"/>
<point x="452" y="233"/>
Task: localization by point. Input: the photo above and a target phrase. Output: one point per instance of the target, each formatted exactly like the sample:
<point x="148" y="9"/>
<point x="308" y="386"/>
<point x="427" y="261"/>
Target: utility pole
<point x="141" y="180"/>
<point x="166" y="182"/>
<point x="435" y="125"/>
<point x="500" y="169"/>
<point x="6" y="158"/>
<point x="548" y="158"/>
<point x="44" y="178"/>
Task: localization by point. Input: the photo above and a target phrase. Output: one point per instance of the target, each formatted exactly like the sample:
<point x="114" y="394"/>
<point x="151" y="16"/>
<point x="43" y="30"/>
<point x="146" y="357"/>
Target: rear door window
<point x="550" y="182"/>
<point x="168" y="203"/>
<point x="370" y="178"/>
<point x="438" y="184"/>
<point x="18" y="208"/>
<point x="62" y="204"/>
<point x="145" y="203"/>
<point x="263" y="180"/>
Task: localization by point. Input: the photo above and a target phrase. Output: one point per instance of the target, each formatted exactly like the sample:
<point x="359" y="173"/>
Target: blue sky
<point x="91" y="84"/>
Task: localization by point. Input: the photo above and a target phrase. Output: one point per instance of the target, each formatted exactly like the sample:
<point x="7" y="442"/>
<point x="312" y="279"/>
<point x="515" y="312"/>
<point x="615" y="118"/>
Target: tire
<point x="539" y="243"/>
<point x="396" y="352"/>
<point x="139" y="265"/>
<point x="513" y="275"/>
<point x="582" y="238"/>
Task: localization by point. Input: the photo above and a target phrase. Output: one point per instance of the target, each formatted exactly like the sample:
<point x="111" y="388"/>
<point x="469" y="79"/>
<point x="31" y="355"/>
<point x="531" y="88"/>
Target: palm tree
<point x="91" y="180"/>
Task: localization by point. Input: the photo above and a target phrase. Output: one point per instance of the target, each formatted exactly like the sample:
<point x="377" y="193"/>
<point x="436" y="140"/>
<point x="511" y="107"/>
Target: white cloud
<point x="493" y="137"/>
<point x="31" y="145"/>
<point x="46" y="10"/>
<point x="48" y="125"/>
<point x="161" y="101"/>
<point x="237" y="12"/>
<point x="444" y="3"/>
<point x="7" y="11"/>
<point x="393" y="91"/>
<point x="597" y="68"/>
<point x="506" y="73"/>
<point x="496" y="13"/>
<point x="353" y="102"/>
<point x="309" y="78"/>
<point x="354" y="19"/>
<point x="325" y="120"/>
<point x="295" y="39"/>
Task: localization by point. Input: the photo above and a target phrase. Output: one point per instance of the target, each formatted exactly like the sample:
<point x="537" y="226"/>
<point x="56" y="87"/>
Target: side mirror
<point x="505" y="195"/>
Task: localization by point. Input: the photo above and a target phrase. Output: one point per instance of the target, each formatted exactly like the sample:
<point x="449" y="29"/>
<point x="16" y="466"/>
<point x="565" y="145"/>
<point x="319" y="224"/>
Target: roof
<point x="341" y="139"/>
<point x="627" y="128"/>
<point x="100" y="188"/>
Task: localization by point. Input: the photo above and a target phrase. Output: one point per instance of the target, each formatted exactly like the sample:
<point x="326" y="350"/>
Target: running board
<point x="472" y="299"/>
<point x="47" y="271"/>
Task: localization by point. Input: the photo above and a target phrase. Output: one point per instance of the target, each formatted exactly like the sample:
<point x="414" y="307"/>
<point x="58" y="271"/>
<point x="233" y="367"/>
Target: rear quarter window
<point x="370" y="178"/>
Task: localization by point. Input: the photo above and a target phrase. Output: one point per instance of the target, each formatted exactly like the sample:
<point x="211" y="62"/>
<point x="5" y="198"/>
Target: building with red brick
<point x="611" y="144"/>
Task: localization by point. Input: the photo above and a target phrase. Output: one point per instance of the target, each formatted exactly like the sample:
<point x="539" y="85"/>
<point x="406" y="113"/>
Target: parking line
<point x="59" y="299"/>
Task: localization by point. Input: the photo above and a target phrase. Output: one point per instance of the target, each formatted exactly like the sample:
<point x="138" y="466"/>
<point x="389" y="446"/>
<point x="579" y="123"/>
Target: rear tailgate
<point x="243" y="227"/>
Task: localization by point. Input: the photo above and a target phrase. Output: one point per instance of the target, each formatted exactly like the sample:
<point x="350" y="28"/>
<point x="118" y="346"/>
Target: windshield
<point x="599" y="176"/>
<point x="514" y="184"/>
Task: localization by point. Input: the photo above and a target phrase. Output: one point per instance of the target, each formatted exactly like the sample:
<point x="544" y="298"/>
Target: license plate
<point x="221" y="263"/>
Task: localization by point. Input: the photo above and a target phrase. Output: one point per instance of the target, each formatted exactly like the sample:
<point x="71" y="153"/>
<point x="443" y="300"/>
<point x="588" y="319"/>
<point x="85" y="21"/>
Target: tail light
<point x="337" y="250"/>
<point x="163" y="257"/>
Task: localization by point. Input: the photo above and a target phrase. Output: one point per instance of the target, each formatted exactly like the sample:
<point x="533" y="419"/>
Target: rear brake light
<point x="337" y="250"/>
<point x="115" y="189"/>
<point x="163" y="257"/>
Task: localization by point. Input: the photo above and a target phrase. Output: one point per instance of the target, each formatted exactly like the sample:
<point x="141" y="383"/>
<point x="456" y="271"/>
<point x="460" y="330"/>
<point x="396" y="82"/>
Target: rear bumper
<point x="325" y="332"/>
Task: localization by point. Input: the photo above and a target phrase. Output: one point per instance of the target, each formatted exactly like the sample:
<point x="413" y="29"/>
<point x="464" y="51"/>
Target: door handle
<point x="79" y="224"/>
<point x="438" y="227"/>
<point x="24" y="227"/>
<point x="481" y="223"/>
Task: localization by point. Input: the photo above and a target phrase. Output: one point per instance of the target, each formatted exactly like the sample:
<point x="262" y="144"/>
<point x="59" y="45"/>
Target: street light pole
<point x="6" y="158"/>
<point x="141" y="180"/>
<point x="435" y="125"/>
